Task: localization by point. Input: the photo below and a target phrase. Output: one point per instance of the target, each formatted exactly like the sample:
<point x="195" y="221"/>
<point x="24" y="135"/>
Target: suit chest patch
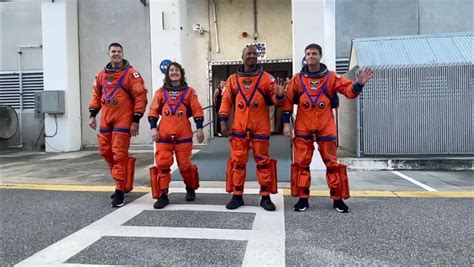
<point x="174" y="95"/>
<point x="109" y="79"/>
<point x="313" y="85"/>
<point x="247" y="83"/>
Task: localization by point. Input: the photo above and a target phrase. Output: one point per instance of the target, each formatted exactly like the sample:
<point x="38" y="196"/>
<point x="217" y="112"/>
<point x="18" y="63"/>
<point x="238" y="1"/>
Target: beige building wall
<point x="235" y="17"/>
<point x="197" y="54"/>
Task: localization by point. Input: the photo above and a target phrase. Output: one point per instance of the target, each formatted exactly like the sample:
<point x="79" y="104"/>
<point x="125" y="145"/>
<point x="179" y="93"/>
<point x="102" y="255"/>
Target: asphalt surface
<point x="34" y="219"/>
<point x="377" y="231"/>
<point x="423" y="220"/>
<point x="381" y="231"/>
<point x="162" y="252"/>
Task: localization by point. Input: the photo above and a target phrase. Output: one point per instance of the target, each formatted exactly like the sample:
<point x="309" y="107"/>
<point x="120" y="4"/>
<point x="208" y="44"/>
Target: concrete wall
<point x="369" y="18"/>
<point x="61" y="72"/>
<point x="20" y="24"/>
<point x="101" y="23"/>
<point x="198" y="54"/>
<point x="235" y="17"/>
<point x="438" y="16"/>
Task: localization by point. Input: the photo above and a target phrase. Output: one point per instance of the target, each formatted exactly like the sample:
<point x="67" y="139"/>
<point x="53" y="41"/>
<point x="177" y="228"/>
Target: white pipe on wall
<point x="20" y="82"/>
<point x="218" y="49"/>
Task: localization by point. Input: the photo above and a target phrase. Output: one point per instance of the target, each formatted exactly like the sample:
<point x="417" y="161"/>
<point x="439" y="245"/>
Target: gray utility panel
<point x="52" y="102"/>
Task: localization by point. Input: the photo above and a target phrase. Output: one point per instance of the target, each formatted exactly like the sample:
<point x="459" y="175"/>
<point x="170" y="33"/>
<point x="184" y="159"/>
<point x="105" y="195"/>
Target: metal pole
<point x="20" y="81"/>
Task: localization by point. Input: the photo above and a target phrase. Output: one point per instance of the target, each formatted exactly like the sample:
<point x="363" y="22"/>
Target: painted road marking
<point x="265" y="241"/>
<point x="422" y="185"/>
<point x="286" y="191"/>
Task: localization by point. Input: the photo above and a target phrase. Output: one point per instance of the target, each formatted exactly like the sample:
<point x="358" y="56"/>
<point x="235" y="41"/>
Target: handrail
<point x="204" y="126"/>
<point x="210" y="122"/>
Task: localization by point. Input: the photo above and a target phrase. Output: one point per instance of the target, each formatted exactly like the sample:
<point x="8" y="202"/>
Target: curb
<point x="438" y="164"/>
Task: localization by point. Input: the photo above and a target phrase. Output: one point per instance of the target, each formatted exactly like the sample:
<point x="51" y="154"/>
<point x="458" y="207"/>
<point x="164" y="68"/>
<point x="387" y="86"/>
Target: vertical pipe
<point x="20" y="82"/>
<point x="358" y="127"/>
<point x="218" y="49"/>
<point x="210" y="97"/>
<point x="255" y="33"/>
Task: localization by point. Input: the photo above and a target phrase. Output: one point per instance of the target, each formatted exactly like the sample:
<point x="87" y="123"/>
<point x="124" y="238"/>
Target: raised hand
<point x="280" y="86"/>
<point x="364" y="76"/>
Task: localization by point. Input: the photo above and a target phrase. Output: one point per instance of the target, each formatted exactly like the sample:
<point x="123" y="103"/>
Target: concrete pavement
<point x="56" y="210"/>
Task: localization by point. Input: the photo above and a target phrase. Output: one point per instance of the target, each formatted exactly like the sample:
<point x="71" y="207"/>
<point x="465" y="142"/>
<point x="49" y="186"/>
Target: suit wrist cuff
<point x="357" y="88"/>
<point x="153" y="122"/>
<point x="93" y="112"/>
<point x="286" y="117"/>
<point x="199" y="122"/>
<point x="222" y="118"/>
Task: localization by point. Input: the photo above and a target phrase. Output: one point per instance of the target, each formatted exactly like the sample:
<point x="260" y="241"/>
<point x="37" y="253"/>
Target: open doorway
<point x="220" y="71"/>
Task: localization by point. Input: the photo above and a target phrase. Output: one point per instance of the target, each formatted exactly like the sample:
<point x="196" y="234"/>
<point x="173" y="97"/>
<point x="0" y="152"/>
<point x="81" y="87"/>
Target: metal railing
<point x="211" y="121"/>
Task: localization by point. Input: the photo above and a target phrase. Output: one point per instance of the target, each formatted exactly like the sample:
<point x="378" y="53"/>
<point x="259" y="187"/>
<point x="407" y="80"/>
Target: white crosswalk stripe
<point x="265" y="241"/>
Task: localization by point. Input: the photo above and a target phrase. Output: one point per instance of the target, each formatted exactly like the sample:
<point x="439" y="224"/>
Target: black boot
<point x="267" y="204"/>
<point x="118" y="199"/>
<point x="340" y="206"/>
<point x="235" y="202"/>
<point x="301" y="205"/>
<point x="190" y="194"/>
<point x="161" y="202"/>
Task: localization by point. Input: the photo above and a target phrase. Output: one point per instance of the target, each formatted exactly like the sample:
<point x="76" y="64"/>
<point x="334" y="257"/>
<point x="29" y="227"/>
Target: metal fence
<point x="418" y="110"/>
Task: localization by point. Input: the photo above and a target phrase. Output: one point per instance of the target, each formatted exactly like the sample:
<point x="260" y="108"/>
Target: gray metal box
<point x="52" y="102"/>
<point x="37" y="111"/>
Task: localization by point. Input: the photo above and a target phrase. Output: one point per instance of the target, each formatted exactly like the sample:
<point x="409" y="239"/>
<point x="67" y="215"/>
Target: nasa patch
<point x="247" y="83"/>
<point x="174" y="95"/>
<point x="313" y="84"/>
<point x="109" y="79"/>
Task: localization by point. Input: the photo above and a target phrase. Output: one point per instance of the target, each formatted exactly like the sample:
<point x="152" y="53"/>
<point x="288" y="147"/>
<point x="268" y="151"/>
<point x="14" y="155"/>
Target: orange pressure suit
<point x="122" y="97"/>
<point x="314" y="93"/>
<point x="175" y="105"/>
<point x="251" y="94"/>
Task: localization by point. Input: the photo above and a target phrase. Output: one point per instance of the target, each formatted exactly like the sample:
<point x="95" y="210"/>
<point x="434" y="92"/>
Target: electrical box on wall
<point x="52" y="102"/>
<point x="37" y="111"/>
